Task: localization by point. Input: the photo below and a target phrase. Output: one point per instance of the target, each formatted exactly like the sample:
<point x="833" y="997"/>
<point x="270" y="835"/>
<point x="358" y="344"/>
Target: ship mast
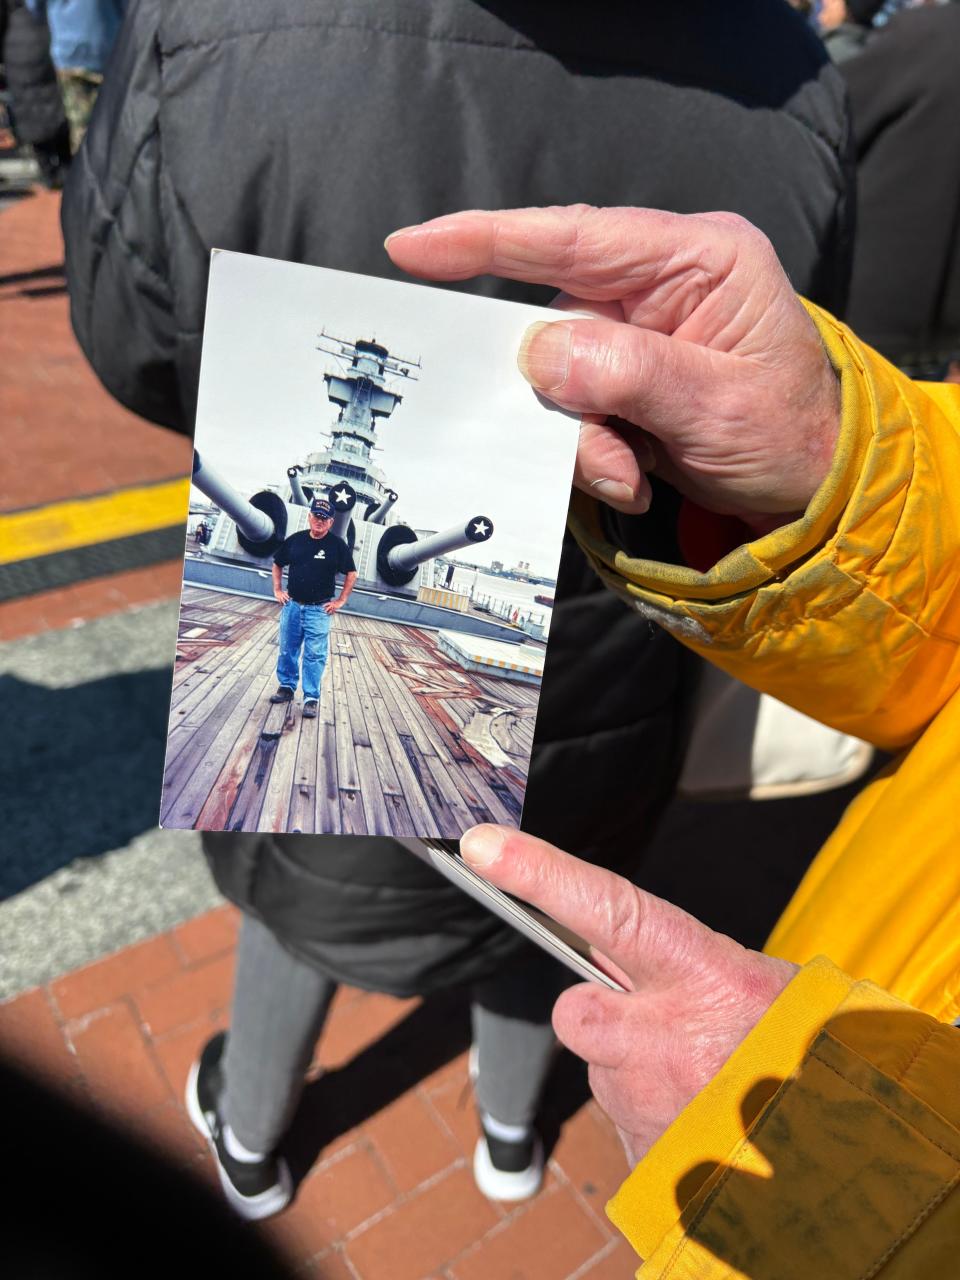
<point x="360" y="388"/>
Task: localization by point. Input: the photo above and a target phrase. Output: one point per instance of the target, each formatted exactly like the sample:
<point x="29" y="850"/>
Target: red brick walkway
<point x="392" y="1198"/>
<point x="63" y="435"/>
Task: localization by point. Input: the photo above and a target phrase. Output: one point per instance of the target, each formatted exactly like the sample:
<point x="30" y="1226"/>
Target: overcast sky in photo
<point x="469" y="438"/>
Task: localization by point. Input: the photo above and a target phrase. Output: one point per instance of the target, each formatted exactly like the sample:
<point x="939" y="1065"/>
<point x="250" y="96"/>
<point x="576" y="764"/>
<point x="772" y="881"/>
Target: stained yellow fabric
<point x="645" y="1208"/>
<point x="851" y="614"/>
<point x="827" y="1145"/>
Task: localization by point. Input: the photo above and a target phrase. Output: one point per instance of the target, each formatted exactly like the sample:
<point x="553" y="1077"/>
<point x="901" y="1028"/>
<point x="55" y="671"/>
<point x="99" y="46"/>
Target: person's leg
<point x="514" y="1044"/>
<point x="279" y="1007"/>
<point x="37" y="107"/>
<point x="315" y="645"/>
<point x="289" y="642"/>
<point x="514" y="1038"/>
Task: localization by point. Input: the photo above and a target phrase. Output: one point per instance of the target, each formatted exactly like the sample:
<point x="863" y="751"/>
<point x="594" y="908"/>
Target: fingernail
<point x="613" y="491"/>
<point x="544" y="356"/>
<point x="481" y="845"/>
<point x="403" y="231"/>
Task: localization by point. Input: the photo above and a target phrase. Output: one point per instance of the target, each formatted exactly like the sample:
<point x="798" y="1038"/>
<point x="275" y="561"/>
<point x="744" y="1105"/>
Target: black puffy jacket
<point x="309" y="131"/>
<point x="905" y="96"/>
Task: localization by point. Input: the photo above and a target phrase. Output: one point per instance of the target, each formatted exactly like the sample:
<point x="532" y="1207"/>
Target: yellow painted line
<point x="83" y="522"/>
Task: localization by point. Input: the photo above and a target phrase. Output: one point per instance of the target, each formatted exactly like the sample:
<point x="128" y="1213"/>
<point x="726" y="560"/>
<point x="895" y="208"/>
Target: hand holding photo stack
<point x="375" y="526"/>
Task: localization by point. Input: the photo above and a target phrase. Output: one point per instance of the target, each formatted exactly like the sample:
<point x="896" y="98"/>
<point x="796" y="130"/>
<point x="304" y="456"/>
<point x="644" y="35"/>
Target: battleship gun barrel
<point x="261" y="522"/>
<point x="343" y="498"/>
<point x="379" y="514"/>
<point x="296" y="488"/>
<point x="401" y="552"/>
<point x="257" y="525"/>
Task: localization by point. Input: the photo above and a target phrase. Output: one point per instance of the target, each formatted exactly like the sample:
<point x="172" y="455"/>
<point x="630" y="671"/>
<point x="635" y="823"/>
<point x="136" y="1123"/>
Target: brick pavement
<point x="387" y="1190"/>
<point x="64" y="436"/>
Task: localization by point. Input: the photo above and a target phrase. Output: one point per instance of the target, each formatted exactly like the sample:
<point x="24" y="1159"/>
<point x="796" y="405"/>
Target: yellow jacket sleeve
<point x="851" y="613"/>
<point x="827" y="1145"/>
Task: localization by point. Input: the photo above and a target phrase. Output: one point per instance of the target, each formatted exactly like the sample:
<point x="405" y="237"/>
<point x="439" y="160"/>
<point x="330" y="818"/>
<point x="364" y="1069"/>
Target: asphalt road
<point x="83" y="868"/>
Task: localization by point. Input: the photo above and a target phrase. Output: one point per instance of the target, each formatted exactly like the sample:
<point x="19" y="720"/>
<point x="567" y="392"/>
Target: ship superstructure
<point x="364" y="397"/>
<point x="392" y="556"/>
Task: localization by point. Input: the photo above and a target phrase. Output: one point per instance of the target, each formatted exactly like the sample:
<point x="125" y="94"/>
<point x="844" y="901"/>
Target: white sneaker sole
<point x="497" y="1185"/>
<point x="250" y="1208"/>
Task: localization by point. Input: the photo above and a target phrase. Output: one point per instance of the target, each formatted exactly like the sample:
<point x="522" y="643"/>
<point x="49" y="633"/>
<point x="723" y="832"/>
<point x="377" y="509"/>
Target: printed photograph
<point x="376" y="517"/>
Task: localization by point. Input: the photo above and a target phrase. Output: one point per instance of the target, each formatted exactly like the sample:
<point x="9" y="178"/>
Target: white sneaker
<point x="508" y="1168"/>
<point x="508" y="1159"/>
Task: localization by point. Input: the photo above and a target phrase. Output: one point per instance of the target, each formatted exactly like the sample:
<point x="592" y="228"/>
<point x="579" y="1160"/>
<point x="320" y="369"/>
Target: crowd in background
<point x="905" y="98"/>
<point x="53" y="54"/>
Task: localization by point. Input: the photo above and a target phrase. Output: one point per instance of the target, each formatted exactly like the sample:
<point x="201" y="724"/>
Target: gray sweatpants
<point x="280" y="1004"/>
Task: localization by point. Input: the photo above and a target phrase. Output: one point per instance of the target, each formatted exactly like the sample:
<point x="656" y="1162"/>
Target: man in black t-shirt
<point x="313" y="557"/>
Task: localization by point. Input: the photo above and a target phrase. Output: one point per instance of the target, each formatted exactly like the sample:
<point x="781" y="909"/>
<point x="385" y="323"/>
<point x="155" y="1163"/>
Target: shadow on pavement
<point x="89" y="1200"/>
<point x="80" y="770"/>
<point x="435" y="1033"/>
<point x="41" y="282"/>
<point x="43" y="291"/>
<point x="38" y="273"/>
<point x="431" y="1036"/>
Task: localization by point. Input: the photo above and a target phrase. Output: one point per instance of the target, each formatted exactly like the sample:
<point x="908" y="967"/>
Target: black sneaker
<point x="53" y="157"/>
<point x="283" y="694"/>
<point x="310" y="708"/>
<point x="256" y="1189"/>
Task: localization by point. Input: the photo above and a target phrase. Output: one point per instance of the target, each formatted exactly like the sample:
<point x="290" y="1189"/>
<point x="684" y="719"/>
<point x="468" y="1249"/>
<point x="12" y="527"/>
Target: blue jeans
<point x="305" y="626"/>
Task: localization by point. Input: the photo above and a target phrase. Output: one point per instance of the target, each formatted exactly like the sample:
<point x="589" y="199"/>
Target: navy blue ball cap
<point x="322" y="508"/>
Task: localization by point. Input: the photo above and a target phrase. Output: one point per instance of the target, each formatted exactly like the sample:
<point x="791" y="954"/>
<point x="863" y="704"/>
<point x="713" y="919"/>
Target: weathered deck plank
<point x="216" y="812"/>
<point x="211" y="702"/>
<point x="197" y="770"/>
<point x="275" y="814"/>
<point x="235" y="633"/>
<point x="403" y="753"/>
<point x="328" y="818"/>
<point x="303" y="797"/>
<point x="387" y="753"/>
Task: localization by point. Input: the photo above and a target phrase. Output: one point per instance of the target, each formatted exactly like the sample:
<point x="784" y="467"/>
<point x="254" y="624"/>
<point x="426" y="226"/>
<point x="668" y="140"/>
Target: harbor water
<point x="504" y="592"/>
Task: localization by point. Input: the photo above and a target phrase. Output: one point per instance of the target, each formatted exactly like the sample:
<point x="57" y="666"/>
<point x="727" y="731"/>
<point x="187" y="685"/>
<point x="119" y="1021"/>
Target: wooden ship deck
<point x="405" y="743"/>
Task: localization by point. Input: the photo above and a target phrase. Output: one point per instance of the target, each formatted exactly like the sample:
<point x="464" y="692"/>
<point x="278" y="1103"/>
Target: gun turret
<point x="296" y="488"/>
<point x="378" y="515"/>
<point x="400" y="553"/>
<point x="388" y="557"/>
<point x="261" y="522"/>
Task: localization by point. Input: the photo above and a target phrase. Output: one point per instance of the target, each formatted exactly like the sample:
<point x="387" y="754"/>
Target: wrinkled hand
<point x="281" y="597"/>
<point x="692" y="994"/>
<point x="701" y="363"/>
